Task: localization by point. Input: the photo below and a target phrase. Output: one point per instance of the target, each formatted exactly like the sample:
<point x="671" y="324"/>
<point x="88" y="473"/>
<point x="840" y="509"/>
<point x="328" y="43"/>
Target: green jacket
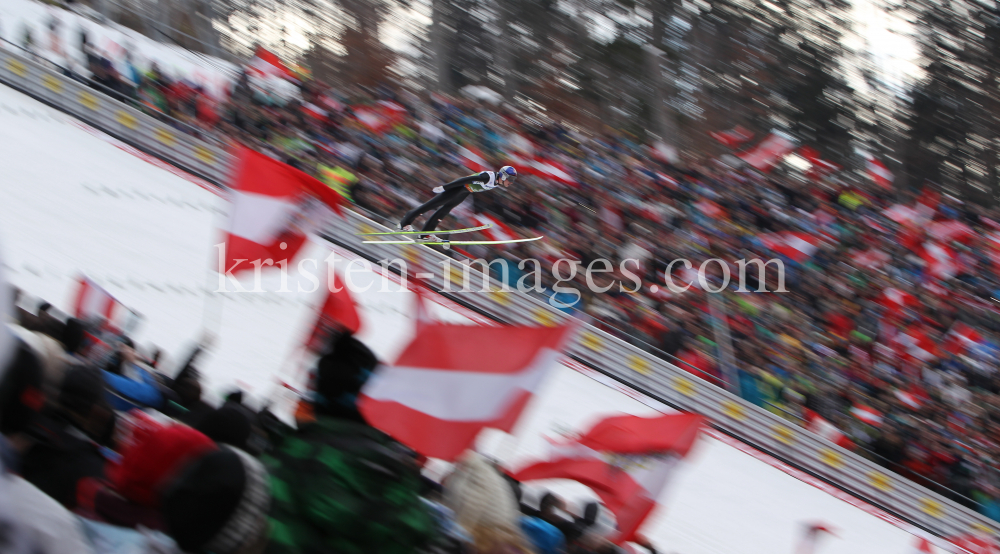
<point x="343" y="487"/>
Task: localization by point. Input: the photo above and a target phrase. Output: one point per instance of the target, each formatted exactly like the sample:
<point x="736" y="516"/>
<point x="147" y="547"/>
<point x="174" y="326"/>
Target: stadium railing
<point x="594" y="350"/>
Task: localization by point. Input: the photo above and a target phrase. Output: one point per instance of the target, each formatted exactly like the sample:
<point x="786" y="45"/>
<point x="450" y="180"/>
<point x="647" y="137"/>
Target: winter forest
<point x="912" y="83"/>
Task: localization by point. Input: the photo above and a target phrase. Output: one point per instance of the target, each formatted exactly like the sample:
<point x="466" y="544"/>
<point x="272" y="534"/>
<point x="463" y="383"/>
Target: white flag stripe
<point x="258" y="217"/>
<point x="95" y="301"/>
<point x="457" y="395"/>
<point x="801" y="245"/>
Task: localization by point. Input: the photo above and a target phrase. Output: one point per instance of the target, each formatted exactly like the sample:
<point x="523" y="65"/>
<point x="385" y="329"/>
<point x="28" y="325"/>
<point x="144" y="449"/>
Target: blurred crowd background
<point x="627" y="120"/>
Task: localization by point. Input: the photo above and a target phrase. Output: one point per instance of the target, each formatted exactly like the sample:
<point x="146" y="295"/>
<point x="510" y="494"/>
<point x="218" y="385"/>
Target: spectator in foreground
<point x="131" y="384"/>
<point x="485" y="507"/>
<point x="345" y="486"/>
<point x="66" y="450"/>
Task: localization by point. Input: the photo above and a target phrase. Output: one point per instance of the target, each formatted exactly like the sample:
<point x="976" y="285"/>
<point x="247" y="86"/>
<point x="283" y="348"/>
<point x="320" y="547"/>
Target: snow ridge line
<point x="93" y="131"/>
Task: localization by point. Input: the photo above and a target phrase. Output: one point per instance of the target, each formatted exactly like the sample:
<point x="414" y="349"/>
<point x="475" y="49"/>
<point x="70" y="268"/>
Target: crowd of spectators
<point x="887" y="328"/>
<point x="105" y="451"/>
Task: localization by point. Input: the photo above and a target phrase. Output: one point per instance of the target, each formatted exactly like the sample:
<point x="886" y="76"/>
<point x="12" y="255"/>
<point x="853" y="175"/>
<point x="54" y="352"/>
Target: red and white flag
<point x="551" y="169"/>
<point x="472" y="158"/>
<point x="795" y="246"/>
<point x="733" y="137"/>
<point x="337" y="314"/>
<point x="314" y="111"/>
<point x="822" y="427"/>
<point x="372" y="118"/>
<point x="879" y="173"/>
<point x="948" y="231"/>
<point x="499" y="231"/>
<point x="626" y="460"/>
<point x="91" y="302"/>
<point x="769" y="152"/>
<point x="871" y="258"/>
<point x="940" y="259"/>
<point x="915" y="343"/>
<point x="927" y="203"/>
<point x="901" y="214"/>
<point x="867" y="415"/>
<point x="454" y="380"/>
<point x="908" y="398"/>
<point x="820" y="166"/>
<point x="267" y="63"/>
<point x="959" y="338"/>
<point x="274" y="208"/>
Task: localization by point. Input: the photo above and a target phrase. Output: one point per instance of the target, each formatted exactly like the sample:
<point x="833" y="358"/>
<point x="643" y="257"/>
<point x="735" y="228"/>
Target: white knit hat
<point x="480" y="496"/>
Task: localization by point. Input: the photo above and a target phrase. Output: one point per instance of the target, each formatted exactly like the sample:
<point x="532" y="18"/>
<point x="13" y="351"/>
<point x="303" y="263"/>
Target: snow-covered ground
<point x="71" y="203"/>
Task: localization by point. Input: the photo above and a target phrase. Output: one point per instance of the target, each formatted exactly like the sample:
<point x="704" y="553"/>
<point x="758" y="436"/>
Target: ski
<point x="453" y="243"/>
<point x="435" y="232"/>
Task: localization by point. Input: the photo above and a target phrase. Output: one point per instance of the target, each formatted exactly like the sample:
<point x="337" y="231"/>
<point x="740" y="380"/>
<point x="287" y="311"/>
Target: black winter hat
<point x="82" y="388"/>
<point x="218" y="503"/>
<point x="227" y="425"/>
<point x="341" y="373"/>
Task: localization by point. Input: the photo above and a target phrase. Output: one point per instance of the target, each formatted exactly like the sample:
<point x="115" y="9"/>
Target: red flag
<point x="454" y="380"/>
<point x="948" y="231"/>
<point x="91" y="301"/>
<point x="266" y="62"/>
<point x="795" y="246"/>
<point x="551" y="169"/>
<point x="274" y="208"/>
<point x="733" y="137"/>
<point x="867" y="415"/>
<point x="499" y="231"/>
<point x="940" y="259"/>
<point x="915" y="343"/>
<point x="626" y="460"/>
<point x="960" y="338"/>
<point x="819" y="165"/>
<point x="820" y="426"/>
<point x="927" y="203"/>
<point x="879" y="173"/>
<point x="338" y="314"/>
<point x="769" y="152"/>
<point x="472" y="158"/>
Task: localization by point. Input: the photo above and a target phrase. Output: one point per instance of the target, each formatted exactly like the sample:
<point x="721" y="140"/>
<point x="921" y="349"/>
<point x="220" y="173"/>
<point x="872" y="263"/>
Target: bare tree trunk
<point x="664" y="120"/>
<point x="439" y="44"/>
<point x="505" y="54"/>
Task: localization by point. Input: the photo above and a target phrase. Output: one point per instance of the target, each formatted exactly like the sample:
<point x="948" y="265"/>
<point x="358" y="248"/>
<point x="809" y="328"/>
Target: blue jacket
<point x="545" y="537"/>
<point x="125" y="394"/>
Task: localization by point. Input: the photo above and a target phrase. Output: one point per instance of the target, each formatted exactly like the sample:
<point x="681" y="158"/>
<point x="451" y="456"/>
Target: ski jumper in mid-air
<point x="449" y="196"/>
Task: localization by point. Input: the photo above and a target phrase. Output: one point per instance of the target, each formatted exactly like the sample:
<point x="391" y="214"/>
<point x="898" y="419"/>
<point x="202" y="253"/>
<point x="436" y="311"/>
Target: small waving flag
<point x="626" y="460"/>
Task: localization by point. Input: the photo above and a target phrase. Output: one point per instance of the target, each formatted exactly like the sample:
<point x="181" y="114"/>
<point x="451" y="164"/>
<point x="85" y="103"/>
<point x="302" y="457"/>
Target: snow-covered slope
<point x="71" y="202"/>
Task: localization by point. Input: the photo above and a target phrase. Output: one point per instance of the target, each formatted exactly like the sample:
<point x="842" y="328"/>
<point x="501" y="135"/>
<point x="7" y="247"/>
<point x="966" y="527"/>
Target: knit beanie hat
<point x="340" y="374"/>
<point x="480" y="497"/>
<point x="218" y="503"/>
<point x="148" y="465"/>
<point x="227" y="425"/>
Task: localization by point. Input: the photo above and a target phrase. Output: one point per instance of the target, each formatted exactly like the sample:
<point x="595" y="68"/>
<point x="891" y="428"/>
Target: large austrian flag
<point x="454" y="380"/>
<point x="626" y="460"/>
<point x="274" y="208"/>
